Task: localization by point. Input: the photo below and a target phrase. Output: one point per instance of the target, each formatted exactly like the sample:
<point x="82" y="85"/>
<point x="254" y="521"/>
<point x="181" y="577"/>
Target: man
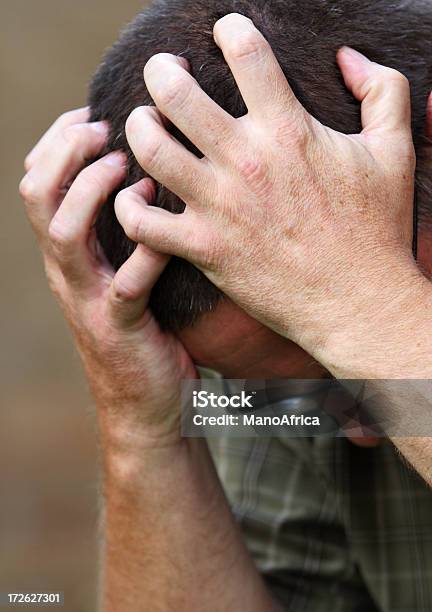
<point x="154" y="482"/>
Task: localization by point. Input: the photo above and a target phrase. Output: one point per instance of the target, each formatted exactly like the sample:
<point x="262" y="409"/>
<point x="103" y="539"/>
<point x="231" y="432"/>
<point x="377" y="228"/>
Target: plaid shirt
<point x="332" y="527"/>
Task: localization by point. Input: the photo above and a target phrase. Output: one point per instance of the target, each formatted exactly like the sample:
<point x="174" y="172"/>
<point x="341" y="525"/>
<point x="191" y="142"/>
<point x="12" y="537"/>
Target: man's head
<point x="305" y="37"/>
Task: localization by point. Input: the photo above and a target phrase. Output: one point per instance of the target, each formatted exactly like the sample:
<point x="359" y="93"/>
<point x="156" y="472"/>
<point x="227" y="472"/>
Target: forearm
<point x="388" y="336"/>
<point x="170" y="541"/>
<point x="391" y="348"/>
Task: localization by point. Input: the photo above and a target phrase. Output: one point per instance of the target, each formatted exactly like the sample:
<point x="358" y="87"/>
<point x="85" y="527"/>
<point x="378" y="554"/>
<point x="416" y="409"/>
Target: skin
<point x="154" y="480"/>
<point x="229" y="341"/>
<point x="246" y="202"/>
<point x="238" y="195"/>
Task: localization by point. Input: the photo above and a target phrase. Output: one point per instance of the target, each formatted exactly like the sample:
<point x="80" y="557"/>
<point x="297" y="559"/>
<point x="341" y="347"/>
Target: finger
<point x="164" y="158"/>
<point x="70" y="228"/>
<point x="158" y="229"/>
<point x="260" y="79"/>
<point x="79" y="115"/>
<point x="44" y="185"/>
<point x="429" y="118"/>
<point x="132" y="285"/>
<point x="179" y="97"/>
<point x="383" y="92"/>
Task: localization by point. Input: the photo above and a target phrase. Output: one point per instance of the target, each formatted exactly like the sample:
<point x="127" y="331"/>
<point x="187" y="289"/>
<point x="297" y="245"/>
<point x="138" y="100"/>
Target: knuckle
<point x="176" y="91"/>
<point x="122" y="292"/>
<point x="88" y="184"/>
<point x="135" y="227"/>
<point x="254" y="171"/>
<point x="66" y="118"/>
<point x="150" y="153"/>
<point x="73" y="135"/>
<point x="251" y="169"/>
<point x="28" y="162"/>
<point x="394" y="76"/>
<point x="59" y="235"/>
<point x="145" y="121"/>
<point x="247" y="46"/>
<point x="29" y="190"/>
<point x="131" y="220"/>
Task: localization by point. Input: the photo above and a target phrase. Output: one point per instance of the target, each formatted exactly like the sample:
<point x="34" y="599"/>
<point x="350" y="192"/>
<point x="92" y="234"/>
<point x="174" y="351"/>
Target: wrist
<point x="157" y="479"/>
<point x="128" y="434"/>
<point x="137" y="424"/>
<point x="374" y="335"/>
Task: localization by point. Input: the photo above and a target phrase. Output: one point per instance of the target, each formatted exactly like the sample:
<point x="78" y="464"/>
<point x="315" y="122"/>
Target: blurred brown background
<point x="48" y="477"/>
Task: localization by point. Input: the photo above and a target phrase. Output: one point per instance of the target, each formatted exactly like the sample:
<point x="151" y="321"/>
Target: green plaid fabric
<point x="332" y="527"/>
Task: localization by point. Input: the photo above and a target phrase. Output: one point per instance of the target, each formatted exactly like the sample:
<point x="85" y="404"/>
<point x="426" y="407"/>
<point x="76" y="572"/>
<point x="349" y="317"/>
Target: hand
<point x="286" y="216"/>
<point x="133" y="368"/>
<point x="161" y="496"/>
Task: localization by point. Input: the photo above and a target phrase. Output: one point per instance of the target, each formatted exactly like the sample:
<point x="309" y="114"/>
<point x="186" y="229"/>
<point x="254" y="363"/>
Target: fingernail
<point x="117" y="158"/>
<point x="184" y="62"/>
<point x="246" y="24"/>
<point x="355" y="54"/>
<point x="100" y="127"/>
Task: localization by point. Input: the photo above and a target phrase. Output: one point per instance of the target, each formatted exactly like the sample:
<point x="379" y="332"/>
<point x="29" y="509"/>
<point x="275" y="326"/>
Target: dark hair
<point x="305" y="37"/>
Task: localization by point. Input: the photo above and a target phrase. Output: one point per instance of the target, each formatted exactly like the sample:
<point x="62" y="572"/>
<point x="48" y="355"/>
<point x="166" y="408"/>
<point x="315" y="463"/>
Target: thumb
<point x="384" y="93"/>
